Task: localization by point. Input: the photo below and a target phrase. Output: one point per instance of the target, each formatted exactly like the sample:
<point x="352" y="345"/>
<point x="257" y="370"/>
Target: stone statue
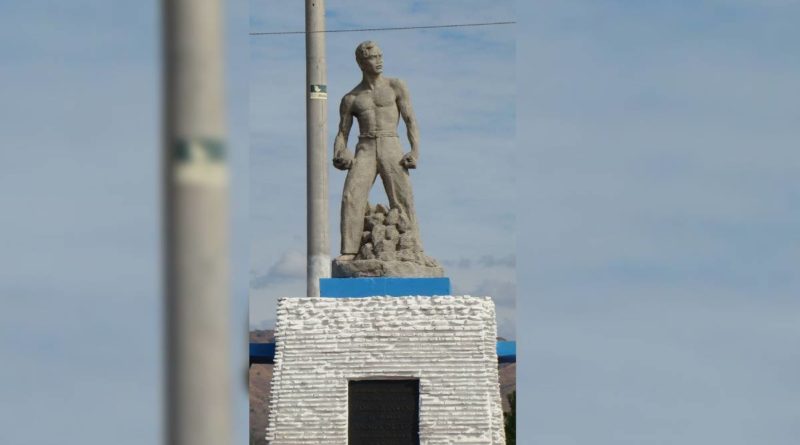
<point x="377" y="241"/>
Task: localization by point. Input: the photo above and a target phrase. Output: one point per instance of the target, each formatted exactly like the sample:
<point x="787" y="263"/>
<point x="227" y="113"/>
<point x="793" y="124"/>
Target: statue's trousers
<point x="376" y="154"/>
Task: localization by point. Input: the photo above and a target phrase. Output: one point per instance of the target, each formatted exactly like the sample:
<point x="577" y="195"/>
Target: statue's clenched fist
<point x="409" y="161"/>
<point x="343" y="160"/>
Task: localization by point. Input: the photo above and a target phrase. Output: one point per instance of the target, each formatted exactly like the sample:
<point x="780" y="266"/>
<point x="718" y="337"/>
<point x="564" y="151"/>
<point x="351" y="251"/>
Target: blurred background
<point x="80" y="269"/>
<point x="658" y="264"/>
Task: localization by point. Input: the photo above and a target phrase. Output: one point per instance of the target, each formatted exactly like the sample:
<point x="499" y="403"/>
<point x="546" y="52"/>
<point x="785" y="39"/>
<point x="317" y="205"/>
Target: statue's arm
<point x="342" y="158"/>
<point x="407" y="113"/>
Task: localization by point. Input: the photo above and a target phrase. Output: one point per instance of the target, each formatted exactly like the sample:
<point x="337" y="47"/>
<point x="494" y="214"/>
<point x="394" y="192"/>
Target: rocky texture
<point x="390" y="247"/>
<point x="508" y="383"/>
<point x="448" y="343"/>
<point x="260" y="377"/>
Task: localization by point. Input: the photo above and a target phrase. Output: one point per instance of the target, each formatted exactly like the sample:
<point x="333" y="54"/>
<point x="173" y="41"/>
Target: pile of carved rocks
<point x="390" y="247"/>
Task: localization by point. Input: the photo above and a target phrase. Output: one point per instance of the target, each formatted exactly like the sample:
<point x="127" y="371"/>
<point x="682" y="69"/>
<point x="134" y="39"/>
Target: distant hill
<point x="261" y="376"/>
<point x="260" y="379"/>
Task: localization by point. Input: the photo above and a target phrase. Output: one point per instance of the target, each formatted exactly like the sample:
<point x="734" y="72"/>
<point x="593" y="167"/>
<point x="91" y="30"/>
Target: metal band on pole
<point x="197" y="300"/>
<point x="318" y="244"/>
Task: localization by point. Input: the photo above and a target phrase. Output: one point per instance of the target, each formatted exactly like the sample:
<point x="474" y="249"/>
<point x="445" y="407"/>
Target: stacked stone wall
<point x="448" y="343"/>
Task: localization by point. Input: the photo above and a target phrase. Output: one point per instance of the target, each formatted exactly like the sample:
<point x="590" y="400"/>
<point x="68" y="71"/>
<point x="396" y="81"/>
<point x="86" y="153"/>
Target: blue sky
<point x="658" y="274"/>
<point x="651" y="214"/>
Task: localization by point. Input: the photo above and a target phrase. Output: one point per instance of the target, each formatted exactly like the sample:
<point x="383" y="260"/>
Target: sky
<point x="645" y="219"/>
<point x="657" y="267"/>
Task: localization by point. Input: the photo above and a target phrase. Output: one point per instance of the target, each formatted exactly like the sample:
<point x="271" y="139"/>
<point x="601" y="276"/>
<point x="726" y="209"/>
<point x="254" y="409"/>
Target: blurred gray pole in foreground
<point x="318" y="244"/>
<point x="198" y="386"/>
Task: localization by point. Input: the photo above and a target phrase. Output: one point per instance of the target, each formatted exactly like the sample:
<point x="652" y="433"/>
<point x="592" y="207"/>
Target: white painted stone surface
<point x="448" y="343"/>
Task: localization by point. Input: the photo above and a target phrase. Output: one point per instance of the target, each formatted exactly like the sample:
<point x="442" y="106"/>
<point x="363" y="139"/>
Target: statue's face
<point x="373" y="62"/>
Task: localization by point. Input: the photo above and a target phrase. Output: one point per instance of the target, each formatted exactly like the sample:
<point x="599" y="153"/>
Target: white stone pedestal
<point x="447" y="343"/>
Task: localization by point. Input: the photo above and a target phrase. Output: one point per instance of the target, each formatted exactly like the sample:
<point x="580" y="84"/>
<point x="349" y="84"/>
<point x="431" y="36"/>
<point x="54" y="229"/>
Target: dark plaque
<point x="383" y="412"/>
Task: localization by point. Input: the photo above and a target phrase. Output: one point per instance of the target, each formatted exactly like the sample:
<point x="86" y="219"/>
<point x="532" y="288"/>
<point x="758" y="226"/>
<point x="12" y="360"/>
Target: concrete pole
<point x="318" y="244"/>
<point x="198" y="371"/>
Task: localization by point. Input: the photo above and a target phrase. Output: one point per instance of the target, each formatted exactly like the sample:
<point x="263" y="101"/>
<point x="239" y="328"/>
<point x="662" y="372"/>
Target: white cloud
<point x="509" y="260"/>
<point x="290" y="267"/>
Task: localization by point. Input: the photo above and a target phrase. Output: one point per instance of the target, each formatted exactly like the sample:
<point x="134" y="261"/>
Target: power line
<point x="398" y="28"/>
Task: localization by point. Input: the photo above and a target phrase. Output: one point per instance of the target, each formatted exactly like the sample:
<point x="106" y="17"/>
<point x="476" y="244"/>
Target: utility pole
<point x="318" y="244"/>
<point x="198" y="399"/>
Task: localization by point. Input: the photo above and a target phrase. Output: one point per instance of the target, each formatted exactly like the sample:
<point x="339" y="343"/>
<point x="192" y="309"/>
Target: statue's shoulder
<point x="396" y="83"/>
<point x="350" y="97"/>
<point x="399" y="86"/>
<point x="352" y="94"/>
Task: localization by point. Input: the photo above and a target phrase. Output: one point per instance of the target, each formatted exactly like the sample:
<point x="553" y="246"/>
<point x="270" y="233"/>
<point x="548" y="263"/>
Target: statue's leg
<point x="396" y="180"/>
<point x="359" y="180"/>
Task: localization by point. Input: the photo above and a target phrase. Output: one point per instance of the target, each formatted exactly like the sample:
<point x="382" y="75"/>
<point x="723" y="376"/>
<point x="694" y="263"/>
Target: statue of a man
<point x="377" y="103"/>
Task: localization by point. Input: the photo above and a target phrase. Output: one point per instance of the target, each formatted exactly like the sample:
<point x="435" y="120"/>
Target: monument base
<point x="380" y="268"/>
<point x="352" y="368"/>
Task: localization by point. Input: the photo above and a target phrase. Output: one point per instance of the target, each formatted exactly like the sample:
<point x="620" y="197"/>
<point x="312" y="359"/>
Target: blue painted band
<point x="392" y="287"/>
<point x="264" y="353"/>
<point x="507" y="351"/>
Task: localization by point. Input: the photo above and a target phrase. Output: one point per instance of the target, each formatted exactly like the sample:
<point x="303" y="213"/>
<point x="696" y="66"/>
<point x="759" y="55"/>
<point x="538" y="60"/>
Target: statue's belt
<point x="378" y="134"/>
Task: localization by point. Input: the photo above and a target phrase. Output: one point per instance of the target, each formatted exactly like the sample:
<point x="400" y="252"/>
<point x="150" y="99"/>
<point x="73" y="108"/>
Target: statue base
<point x="380" y="268"/>
<point x="390" y="247"/>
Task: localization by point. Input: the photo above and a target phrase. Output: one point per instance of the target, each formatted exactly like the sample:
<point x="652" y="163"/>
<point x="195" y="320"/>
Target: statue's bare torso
<point x="375" y="109"/>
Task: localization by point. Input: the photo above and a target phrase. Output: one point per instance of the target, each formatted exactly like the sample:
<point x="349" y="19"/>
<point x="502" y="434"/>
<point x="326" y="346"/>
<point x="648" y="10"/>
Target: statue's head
<point x="369" y="57"/>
